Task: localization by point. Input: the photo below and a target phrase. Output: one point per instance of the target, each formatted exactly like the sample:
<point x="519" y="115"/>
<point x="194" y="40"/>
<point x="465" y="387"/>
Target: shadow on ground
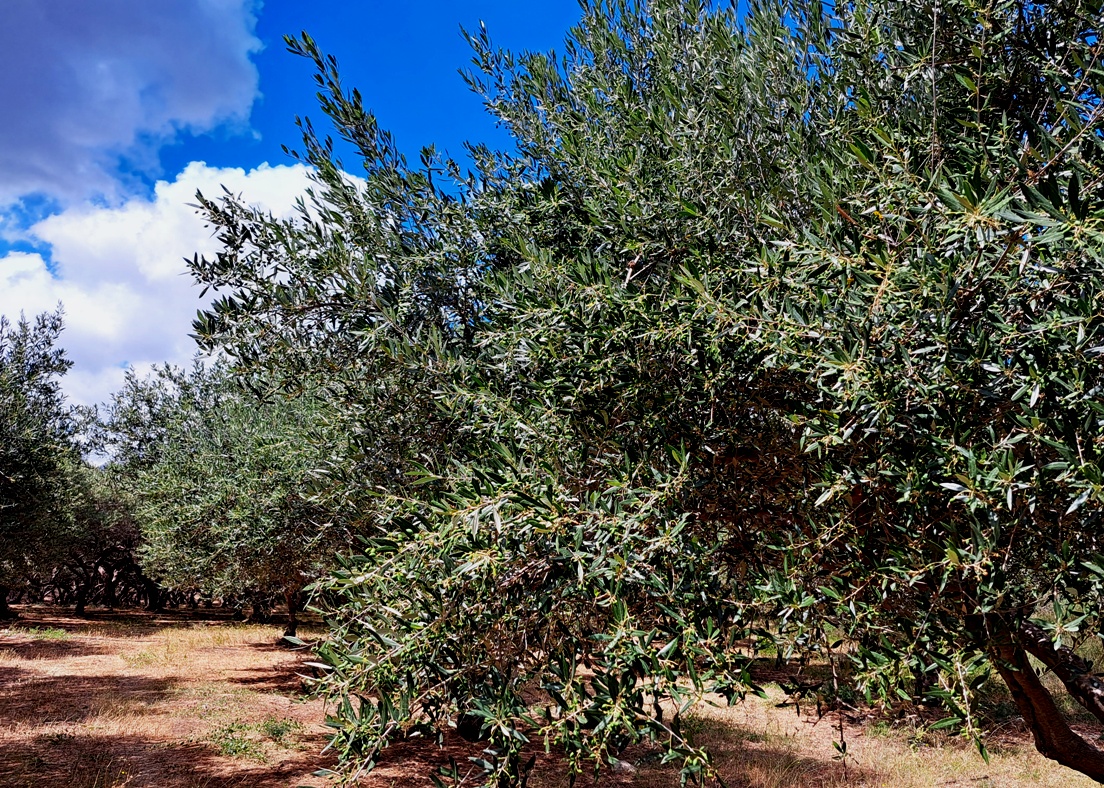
<point x="91" y="761"/>
<point x="277" y="681"/>
<point x="47" y="700"/>
<point x="50" y="649"/>
<point x="129" y="622"/>
<point x="10" y="675"/>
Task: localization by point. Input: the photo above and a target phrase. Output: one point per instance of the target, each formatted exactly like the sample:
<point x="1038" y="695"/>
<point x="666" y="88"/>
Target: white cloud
<point x="82" y="83"/>
<point x="120" y="274"/>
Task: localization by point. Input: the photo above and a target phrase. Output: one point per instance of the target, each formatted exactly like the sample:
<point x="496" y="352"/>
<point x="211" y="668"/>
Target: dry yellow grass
<point x="755" y="744"/>
<point x="169" y="702"/>
<point x="759" y="745"/>
<point x="152" y="702"/>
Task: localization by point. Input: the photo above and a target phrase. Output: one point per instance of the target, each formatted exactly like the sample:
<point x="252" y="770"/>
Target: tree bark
<point x="110" y="595"/>
<point x="1053" y="736"/>
<point x="260" y="612"/>
<point x="154" y="601"/>
<point x="1073" y="671"/>
<point x="293" y="597"/>
<point x="6" y="613"/>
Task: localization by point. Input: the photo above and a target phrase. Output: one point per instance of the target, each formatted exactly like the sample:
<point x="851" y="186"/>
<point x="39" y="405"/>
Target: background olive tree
<point x="222" y="485"/>
<point x="38" y="454"/>
<point x="68" y="532"/>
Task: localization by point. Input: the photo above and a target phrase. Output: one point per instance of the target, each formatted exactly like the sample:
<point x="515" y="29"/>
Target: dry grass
<point x="174" y="702"/>
<point x="756" y="744"/>
<point x="152" y="701"/>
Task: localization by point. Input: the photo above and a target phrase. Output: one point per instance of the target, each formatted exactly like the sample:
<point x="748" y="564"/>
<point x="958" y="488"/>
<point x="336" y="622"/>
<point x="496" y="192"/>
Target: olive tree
<point x="38" y="455"/>
<point x="224" y="491"/>
<point x="779" y="326"/>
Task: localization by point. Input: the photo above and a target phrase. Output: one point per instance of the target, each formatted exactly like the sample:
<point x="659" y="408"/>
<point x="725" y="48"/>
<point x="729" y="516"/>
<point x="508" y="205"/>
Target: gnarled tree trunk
<point x="293" y="597"/>
<point x="260" y="611"/>
<point x="110" y="594"/>
<point x="154" y="601"/>
<point x="1054" y="738"/>
<point x="6" y="613"/>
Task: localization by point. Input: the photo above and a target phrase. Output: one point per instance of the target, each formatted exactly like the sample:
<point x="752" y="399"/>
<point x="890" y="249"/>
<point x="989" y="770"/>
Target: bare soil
<point x="190" y="699"/>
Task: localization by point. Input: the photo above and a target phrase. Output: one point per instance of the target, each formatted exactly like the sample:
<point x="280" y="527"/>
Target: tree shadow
<point x="51" y="649"/>
<point x="10" y="674"/>
<point x="781" y="767"/>
<point x="768" y="669"/>
<point x="412" y="762"/>
<point x="284" y="678"/>
<point x="277" y="682"/>
<point x="46" y="700"/>
<point x="128" y="621"/>
<point x="749" y="758"/>
<point x="91" y="761"/>
<point x="277" y="644"/>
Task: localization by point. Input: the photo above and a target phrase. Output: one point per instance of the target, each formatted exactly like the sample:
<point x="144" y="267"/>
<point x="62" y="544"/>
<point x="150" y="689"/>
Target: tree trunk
<point x="110" y="595"/>
<point x="1073" y="671"/>
<point x="260" y="611"/>
<point x="154" y="602"/>
<point x="6" y="613"/>
<point x="82" y="599"/>
<point x="1053" y="736"/>
<point x="293" y="597"/>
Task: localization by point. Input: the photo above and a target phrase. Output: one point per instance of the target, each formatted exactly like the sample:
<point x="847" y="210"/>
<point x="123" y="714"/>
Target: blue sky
<point x="117" y="111"/>
<point x="404" y="58"/>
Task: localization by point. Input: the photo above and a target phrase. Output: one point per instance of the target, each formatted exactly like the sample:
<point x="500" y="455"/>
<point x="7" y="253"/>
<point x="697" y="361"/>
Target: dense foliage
<point x="784" y="326"/>
<point x="222" y="485"/>
<point x="67" y="534"/>
<point x="37" y="454"/>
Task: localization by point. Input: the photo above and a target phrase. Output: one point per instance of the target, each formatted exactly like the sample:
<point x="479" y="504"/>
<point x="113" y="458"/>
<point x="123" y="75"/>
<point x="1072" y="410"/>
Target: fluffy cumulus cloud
<point x="87" y="82"/>
<point x="119" y="272"/>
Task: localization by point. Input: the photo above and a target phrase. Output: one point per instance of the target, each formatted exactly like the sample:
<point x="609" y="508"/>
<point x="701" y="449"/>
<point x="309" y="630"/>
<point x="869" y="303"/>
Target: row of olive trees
<point x="223" y="485"/>
<point x="205" y="489"/>
<point x="66" y="533"/>
<point x="775" y="326"/>
<point x="70" y="533"/>
<point x="36" y="452"/>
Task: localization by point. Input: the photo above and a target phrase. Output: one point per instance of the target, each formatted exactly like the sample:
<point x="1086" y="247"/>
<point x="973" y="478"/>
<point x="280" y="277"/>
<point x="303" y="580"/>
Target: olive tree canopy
<point x="38" y="455"/>
<point x="782" y="326"/>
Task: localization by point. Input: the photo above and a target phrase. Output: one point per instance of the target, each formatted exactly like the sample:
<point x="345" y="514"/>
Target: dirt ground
<point x="191" y="699"/>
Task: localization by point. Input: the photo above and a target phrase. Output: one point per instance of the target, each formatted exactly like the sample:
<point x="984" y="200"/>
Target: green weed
<point x="278" y="730"/>
<point x="236" y="740"/>
<point x="47" y="633"/>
